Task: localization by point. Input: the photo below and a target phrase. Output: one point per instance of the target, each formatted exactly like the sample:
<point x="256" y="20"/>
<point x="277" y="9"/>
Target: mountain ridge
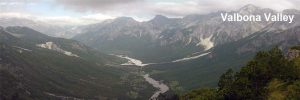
<point x="197" y="33"/>
<point x="52" y="71"/>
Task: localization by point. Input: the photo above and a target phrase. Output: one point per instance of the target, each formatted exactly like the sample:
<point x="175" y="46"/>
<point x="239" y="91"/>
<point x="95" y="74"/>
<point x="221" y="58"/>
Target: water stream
<point x="162" y="88"/>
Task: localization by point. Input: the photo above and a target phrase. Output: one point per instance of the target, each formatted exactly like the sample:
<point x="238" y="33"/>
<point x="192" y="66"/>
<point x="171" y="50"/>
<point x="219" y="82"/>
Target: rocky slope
<point x="164" y="36"/>
<point x="43" y="67"/>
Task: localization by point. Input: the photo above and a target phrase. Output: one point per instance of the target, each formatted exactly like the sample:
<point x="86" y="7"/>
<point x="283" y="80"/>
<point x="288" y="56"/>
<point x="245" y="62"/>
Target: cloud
<point x="94" y="5"/>
<point x="208" y="6"/>
<point x="91" y="11"/>
<point x="59" y="20"/>
<point x="172" y="8"/>
<point x="15" y="5"/>
<point x="15" y="15"/>
<point x="18" y="1"/>
<point x="82" y="20"/>
<point x="176" y="9"/>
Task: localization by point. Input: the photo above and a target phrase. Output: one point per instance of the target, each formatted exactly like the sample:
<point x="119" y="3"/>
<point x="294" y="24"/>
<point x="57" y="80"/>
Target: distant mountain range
<point x="189" y="52"/>
<point x="165" y="39"/>
<point x="37" y="66"/>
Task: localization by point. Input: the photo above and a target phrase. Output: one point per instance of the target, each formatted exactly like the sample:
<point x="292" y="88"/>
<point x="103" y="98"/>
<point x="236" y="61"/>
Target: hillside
<point x="160" y="49"/>
<point x="164" y="39"/>
<point x="42" y="67"/>
<point x="220" y="58"/>
<point x="268" y="76"/>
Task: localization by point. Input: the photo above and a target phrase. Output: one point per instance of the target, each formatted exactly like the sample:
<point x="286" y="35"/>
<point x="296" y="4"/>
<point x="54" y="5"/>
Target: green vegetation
<point x="296" y="47"/>
<point x="268" y="76"/>
<point x="143" y="48"/>
<point x="201" y="94"/>
<point x="10" y="88"/>
<point x="43" y="74"/>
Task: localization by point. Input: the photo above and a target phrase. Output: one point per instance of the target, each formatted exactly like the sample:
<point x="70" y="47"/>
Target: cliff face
<point x="293" y="53"/>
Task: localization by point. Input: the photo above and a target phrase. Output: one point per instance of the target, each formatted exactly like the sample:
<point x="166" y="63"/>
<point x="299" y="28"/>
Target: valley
<point x="162" y="88"/>
<point x="48" y="72"/>
<point x="164" y="58"/>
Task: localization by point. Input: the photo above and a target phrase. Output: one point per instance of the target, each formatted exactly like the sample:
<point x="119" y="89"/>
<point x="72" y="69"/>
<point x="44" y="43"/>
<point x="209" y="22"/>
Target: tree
<point x="293" y="91"/>
<point x="201" y="94"/>
<point x="225" y="83"/>
<point x="269" y="75"/>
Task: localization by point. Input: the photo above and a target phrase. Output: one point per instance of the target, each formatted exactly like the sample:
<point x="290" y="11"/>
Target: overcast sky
<point x="91" y="11"/>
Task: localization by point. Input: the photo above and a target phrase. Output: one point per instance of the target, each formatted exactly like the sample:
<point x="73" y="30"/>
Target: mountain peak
<point x="124" y="19"/>
<point x="291" y="11"/>
<point x="250" y="6"/>
<point x="248" y="9"/>
<point x="159" y="17"/>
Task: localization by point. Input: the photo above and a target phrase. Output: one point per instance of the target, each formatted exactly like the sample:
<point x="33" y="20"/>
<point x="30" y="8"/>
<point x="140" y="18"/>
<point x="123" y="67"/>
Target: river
<point x="162" y="88"/>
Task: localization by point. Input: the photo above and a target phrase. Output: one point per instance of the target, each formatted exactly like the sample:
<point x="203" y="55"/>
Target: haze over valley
<point x="152" y="50"/>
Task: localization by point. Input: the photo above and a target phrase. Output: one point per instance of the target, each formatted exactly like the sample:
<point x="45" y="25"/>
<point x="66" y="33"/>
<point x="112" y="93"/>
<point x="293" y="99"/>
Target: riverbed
<point x="162" y="88"/>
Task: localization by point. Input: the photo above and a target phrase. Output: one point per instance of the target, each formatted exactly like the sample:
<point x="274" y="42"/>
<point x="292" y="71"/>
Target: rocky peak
<point x="160" y="18"/>
<point x="124" y="19"/>
<point x="291" y="11"/>
<point x="293" y="53"/>
<point x="249" y="9"/>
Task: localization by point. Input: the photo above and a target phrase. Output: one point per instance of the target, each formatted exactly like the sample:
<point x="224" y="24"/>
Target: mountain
<point x="281" y="34"/>
<point x="269" y="75"/>
<point x="43" y="27"/>
<point x="126" y="36"/>
<point x="183" y="53"/>
<point x="229" y="55"/>
<point x="43" y="67"/>
<point x="165" y="39"/>
<point x="209" y="67"/>
<point x="211" y="25"/>
<point x="193" y="47"/>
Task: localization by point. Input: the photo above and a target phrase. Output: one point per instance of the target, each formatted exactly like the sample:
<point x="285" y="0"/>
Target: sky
<point x="77" y="12"/>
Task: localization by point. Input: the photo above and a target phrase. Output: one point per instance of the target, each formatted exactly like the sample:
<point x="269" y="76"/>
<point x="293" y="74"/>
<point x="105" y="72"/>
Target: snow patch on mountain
<point x="189" y="41"/>
<point x="22" y="48"/>
<point x="132" y="61"/>
<point x="15" y="34"/>
<point x="190" y="58"/>
<point x="206" y="42"/>
<point x="53" y="46"/>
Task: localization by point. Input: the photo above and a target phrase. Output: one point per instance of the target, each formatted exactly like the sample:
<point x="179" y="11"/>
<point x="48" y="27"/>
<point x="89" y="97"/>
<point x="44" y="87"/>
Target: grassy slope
<point x="43" y="71"/>
<point x="205" y="71"/>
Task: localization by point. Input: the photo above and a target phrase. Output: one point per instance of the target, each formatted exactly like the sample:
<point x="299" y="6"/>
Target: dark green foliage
<point x="296" y="47"/>
<point x="293" y="91"/>
<point x="11" y="88"/>
<point x="225" y="83"/>
<point x="269" y="75"/>
<point x="201" y="94"/>
<point x="251" y="81"/>
<point x="50" y="75"/>
<point x="169" y="95"/>
<point x="226" y="79"/>
<point x="204" y="71"/>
